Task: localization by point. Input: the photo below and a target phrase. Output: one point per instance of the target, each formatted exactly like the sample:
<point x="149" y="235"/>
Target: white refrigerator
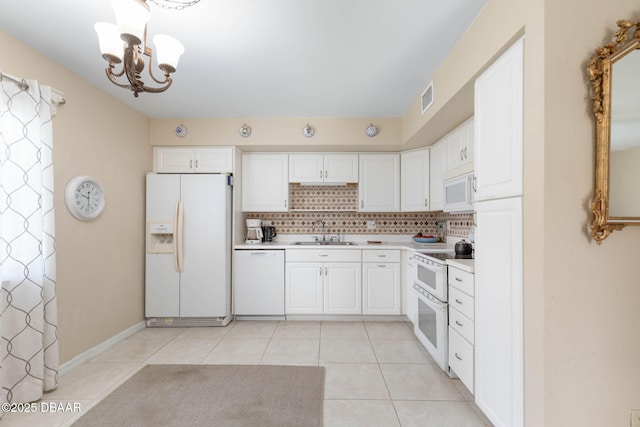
<point x="188" y="250"/>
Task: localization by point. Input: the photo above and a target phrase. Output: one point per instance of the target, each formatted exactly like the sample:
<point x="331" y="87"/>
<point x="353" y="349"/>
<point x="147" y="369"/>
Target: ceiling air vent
<point x="426" y="100"/>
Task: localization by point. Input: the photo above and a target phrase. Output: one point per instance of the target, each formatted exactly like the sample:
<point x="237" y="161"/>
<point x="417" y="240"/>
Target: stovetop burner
<point x="443" y="256"/>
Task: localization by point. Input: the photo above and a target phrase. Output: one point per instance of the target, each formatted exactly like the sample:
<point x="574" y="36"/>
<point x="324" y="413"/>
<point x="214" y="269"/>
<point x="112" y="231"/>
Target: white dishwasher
<point x="258" y="282"/>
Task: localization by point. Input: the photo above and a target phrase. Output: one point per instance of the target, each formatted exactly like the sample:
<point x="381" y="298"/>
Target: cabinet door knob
<point x="190" y="164"/>
<point x="458" y="356"/>
<point x="326" y="271"/>
<point x="196" y="164"/>
<point x="320" y="271"/>
<point x="458" y="323"/>
<point x="362" y="203"/>
<point x="475" y="184"/>
<point x="458" y="301"/>
<point x="458" y="279"/>
<point x="285" y="203"/>
<point x="326" y="174"/>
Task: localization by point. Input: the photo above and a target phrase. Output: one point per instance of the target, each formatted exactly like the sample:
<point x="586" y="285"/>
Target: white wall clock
<point x="84" y="198"/>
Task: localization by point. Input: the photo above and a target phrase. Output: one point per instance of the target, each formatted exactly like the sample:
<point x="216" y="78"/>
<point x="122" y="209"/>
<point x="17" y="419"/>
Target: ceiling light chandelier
<point x="131" y="27"/>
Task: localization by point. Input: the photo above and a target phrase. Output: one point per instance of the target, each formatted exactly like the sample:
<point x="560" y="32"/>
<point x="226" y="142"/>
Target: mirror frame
<point x="599" y="69"/>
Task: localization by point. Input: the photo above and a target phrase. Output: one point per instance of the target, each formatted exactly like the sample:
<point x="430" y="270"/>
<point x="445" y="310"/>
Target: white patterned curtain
<point x="28" y="308"/>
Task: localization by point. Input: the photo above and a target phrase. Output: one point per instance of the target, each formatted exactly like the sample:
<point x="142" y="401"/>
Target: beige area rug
<point x="214" y="395"/>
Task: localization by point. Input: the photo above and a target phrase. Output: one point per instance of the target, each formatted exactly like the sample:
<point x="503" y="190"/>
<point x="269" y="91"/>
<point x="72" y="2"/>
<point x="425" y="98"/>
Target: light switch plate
<point x="371" y="225"/>
<point x="635" y="418"/>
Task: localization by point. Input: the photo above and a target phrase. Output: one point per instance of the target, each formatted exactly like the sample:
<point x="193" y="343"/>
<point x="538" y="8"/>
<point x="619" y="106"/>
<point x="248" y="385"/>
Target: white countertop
<point x="358" y="245"/>
<point x="463" y="264"/>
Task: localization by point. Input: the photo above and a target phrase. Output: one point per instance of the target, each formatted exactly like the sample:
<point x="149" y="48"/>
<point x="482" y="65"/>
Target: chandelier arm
<point x="169" y="81"/>
<point x="113" y="77"/>
<point x="149" y="53"/>
<point x="111" y="69"/>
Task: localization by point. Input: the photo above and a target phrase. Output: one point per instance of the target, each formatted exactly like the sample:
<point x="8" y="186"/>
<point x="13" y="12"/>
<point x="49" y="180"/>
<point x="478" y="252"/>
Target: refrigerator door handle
<point x="178" y="224"/>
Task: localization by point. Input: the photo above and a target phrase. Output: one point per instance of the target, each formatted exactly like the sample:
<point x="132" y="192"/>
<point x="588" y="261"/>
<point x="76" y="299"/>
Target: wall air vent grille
<point x="426" y="100"/>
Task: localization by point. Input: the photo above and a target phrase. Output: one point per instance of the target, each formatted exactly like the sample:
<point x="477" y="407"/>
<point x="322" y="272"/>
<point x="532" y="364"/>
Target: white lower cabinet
<point x="303" y="288"/>
<point x="461" y="325"/>
<point x="461" y="358"/>
<point x="381" y="287"/>
<point x="342" y="288"/>
<point x="316" y="287"/>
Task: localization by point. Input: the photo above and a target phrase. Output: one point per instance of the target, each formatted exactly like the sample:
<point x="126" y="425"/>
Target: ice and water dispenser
<point x="160" y="237"/>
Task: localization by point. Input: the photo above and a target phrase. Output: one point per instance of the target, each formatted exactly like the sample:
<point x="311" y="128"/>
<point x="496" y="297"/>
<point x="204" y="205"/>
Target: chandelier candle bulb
<point x="132" y="17"/>
<point x="168" y="51"/>
<point x="110" y="42"/>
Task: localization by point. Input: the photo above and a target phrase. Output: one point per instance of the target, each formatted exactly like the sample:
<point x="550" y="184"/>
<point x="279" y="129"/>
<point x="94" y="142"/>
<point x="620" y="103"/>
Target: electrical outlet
<point x="371" y="225"/>
<point x="635" y="418"/>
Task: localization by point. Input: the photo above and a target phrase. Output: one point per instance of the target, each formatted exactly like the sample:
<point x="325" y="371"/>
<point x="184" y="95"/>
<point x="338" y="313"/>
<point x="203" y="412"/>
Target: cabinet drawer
<point x="461" y="302"/>
<point x="323" y="255"/>
<point x="381" y="255"/>
<point x="461" y="358"/>
<point x="461" y="324"/>
<point x="461" y="280"/>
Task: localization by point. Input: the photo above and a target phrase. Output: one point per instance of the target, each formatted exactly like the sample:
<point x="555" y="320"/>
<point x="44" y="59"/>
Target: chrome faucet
<point x="313" y="229"/>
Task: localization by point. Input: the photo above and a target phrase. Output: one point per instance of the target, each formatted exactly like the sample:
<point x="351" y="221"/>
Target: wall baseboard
<point x="94" y="351"/>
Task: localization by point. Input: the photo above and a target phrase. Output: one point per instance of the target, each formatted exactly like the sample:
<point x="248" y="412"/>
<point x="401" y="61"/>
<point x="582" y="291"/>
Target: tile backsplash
<point x="337" y="205"/>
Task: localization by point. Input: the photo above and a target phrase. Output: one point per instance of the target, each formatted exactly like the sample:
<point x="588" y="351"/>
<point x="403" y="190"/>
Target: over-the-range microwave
<point x="458" y="194"/>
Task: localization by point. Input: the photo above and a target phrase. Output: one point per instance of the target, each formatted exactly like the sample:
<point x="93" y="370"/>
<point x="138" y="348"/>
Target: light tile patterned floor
<point x="377" y="373"/>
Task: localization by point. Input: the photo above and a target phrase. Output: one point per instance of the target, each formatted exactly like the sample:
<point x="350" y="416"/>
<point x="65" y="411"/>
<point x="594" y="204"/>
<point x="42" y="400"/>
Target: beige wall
<point x="592" y="346"/>
<point x="100" y="264"/>
<point x="268" y="134"/>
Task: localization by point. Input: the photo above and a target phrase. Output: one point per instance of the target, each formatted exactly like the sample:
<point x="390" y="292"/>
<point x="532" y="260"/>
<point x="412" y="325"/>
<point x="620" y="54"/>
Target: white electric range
<point x="431" y="311"/>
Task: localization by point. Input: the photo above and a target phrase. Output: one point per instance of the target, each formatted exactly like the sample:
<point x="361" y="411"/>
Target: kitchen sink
<point x="325" y="243"/>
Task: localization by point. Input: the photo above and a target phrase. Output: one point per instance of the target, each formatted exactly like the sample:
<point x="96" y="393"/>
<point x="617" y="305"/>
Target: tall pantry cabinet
<point x="498" y="262"/>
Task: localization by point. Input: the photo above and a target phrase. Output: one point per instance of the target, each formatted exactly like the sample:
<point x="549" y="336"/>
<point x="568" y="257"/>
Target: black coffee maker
<point x="268" y="233"/>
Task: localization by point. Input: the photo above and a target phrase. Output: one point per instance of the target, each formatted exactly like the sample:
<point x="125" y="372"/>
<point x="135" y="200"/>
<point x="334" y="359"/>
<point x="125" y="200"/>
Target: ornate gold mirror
<point x="614" y="72"/>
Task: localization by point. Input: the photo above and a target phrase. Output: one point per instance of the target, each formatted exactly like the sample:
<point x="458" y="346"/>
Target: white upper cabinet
<point x="414" y="167"/>
<point x="265" y="183"/>
<point x="320" y="168"/>
<point x="213" y="160"/>
<point x="460" y="149"/>
<point x="379" y="184"/>
<point x="193" y="160"/>
<point x="498" y="127"/>
<point x="437" y="161"/>
<point x="340" y="167"/>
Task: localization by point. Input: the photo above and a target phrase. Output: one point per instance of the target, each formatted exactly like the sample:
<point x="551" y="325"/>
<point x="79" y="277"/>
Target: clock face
<point x="84" y="198"/>
<point x="88" y="197"/>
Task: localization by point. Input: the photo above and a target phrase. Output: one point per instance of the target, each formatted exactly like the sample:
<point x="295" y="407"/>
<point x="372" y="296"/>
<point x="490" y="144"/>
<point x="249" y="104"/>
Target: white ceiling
<point x="264" y="58"/>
